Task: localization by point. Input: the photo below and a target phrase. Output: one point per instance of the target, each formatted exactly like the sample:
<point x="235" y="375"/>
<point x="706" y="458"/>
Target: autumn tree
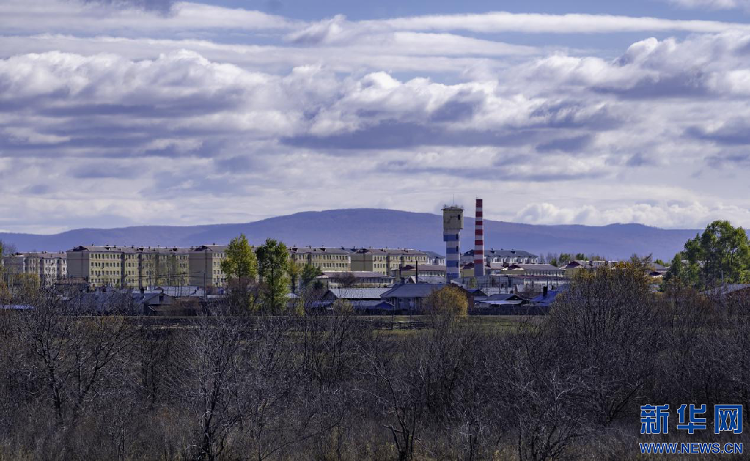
<point x="450" y="300"/>
<point x="273" y="268"/>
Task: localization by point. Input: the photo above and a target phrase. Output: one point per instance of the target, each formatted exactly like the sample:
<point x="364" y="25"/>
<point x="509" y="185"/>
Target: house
<point x="501" y="299"/>
<point x="355" y="294"/>
<point x="431" y="279"/>
<point x="546" y="298"/>
<point x="410" y="297"/>
<point x="153" y="303"/>
<point x="729" y="291"/>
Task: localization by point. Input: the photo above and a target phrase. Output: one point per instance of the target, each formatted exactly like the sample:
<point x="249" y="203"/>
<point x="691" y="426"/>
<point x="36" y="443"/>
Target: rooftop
<point x="417" y="290"/>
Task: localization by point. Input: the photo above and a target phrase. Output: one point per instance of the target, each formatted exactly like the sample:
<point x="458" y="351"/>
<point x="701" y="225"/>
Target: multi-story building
<point x="143" y="267"/>
<point x="386" y="260"/>
<point x="369" y="259"/>
<point x="325" y="259"/>
<point x="99" y="265"/>
<point x="48" y="267"/>
<point x="165" y="266"/>
<point x="204" y="265"/>
<point x="52" y="267"/>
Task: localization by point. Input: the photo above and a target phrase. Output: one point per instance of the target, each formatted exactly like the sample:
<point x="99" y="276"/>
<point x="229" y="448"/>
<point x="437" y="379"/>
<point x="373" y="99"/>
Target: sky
<point x="160" y="112"/>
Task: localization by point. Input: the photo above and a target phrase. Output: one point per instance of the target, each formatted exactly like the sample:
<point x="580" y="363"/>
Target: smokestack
<point x="479" y="241"/>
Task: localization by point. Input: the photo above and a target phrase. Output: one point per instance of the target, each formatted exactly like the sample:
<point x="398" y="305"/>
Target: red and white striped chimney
<point x="479" y="241"/>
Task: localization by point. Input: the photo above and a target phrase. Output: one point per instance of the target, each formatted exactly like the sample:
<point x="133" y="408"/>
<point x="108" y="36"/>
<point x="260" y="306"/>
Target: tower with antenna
<point x="453" y="222"/>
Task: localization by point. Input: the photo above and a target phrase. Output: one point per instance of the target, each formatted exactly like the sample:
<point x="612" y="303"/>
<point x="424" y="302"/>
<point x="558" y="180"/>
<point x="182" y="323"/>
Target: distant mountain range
<point x="379" y="228"/>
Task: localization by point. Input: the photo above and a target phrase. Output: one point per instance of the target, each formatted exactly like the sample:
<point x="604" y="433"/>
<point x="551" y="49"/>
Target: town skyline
<point x="122" y="113"/>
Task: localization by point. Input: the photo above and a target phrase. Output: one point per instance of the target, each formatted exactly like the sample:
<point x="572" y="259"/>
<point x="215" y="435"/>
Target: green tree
<point x="273" y="268"/>
<point x="295" y="271"/>
<point x="580" y="256"/>
<point x="720" y="255"/>
<point x="309" y="273"/>
<point x="240" y="261"/>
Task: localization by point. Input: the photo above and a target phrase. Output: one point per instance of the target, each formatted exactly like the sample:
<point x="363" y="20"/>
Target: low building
<point x="493" y="256"/>
<point x="361" y="279"/>
<point x="426" y="270"/>
<point x="546" y="298"/>
<point x="541" y="270"/>
<point x="498" y="300"/>
<point x="431" y="279"/>
<point x="408" y="297"/>
<point x="435" y="259"/>
<point x="355" y="294"/>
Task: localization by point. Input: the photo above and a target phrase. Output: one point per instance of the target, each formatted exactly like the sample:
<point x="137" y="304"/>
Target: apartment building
<point x="386" y="260"/>
<point x="326" y="259"/>
<point x="204" y="265"/>
<point x="371" y="260"/>
<point x="99" y="265"/>
<point x="49" y="267"/>
<point x="142" y="267"/>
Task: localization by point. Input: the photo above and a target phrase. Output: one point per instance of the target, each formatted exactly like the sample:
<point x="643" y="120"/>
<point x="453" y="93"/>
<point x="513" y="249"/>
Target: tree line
<point x="77" y="382"/>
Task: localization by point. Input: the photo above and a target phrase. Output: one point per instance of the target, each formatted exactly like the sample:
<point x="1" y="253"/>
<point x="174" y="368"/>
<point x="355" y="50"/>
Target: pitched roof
<point x="358" y="293"/>
<point x="504" y="253"/>
<point x="416" y="290"/>
<point x="726" y="289"/>
<point x="504" y="297"/>
<point x="549" y="298"/>
<point x="429" y="279"/>
<point x="319" y="250"/>
<point x="424" y="267"/>
<point x="357" y="274"/>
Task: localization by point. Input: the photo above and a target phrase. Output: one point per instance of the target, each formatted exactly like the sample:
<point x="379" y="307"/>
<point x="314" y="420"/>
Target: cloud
<point x="733" y="132"/>
<point x="684" y="215"/>
<point x="321" y="32"/>
<point x="713" y="4"/>
<point x="503" y="22"/>
<point x="270" y="118"/>
<point x="131" y="17"/>
<point x="573" y="144"/>
<point x="162" y="6"/>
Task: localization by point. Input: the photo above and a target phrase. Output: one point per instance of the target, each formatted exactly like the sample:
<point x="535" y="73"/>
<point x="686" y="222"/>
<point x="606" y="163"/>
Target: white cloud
<point x="503" y="22"/>
<point x="42" y="16"/>
<point x="370" y="113"/>
<point x="713" y="4"/>
<point x="690" y="215"/>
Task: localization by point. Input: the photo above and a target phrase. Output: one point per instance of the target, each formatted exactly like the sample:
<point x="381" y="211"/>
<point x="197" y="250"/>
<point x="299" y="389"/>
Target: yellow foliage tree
<point x="449" y="300"/>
